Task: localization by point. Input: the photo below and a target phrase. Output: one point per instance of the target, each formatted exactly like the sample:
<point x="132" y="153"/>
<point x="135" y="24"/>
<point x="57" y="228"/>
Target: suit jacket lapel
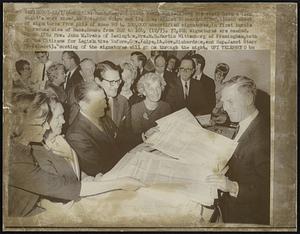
<point x="92" y="130"/>
<point x="246" y="135"/>
<point x="116" y="109"/>
<point x="180" y="88"/>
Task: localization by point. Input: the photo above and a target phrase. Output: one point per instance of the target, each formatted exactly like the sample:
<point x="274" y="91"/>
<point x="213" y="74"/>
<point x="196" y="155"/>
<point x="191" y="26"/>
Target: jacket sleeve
<point x="258" y="184"/>
<point x="31" y="177"/>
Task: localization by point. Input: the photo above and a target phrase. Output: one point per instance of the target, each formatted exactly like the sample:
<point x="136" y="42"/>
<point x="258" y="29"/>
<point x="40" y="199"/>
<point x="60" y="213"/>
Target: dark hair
<point x="20" y="65"/>
<point x="190" y="59"/>
<point x="104" y="66"/>
<point x="223" y="67"/>
<point x="140" y="57"/>
<point x="157" y="56"/>
<point x="173" y="57"/>
<point x="200" y="59"/>
<point x="73" y="55"/>
<point x="81" y="90"/>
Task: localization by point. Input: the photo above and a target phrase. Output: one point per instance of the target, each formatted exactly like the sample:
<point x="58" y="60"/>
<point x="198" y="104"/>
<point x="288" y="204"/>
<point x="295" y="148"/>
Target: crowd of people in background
<point x="80" y="117"/>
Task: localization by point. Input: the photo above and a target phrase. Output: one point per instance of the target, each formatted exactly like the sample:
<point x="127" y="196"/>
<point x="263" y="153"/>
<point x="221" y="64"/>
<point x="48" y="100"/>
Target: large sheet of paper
<point x="155" y="168"/>
<point x="189" y="142"/>
<point x="185" y="155"/>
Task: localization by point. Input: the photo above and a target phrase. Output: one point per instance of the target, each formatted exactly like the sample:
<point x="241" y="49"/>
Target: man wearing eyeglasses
<point x="108" y="77"/>
<point x="187" y="92"/>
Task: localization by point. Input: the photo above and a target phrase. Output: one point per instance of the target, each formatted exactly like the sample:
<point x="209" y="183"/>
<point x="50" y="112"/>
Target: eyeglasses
<point x="113" y="82"/>
<point x="186" y="69"/>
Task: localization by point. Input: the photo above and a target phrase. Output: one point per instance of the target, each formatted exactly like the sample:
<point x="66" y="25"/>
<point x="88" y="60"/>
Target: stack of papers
<point x="185" y="154"/>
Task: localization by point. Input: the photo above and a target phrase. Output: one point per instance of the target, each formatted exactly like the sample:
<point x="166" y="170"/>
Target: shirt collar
<point x="244" y="124"/>
<point x="183" y="82"/>
<point x="72" y="71"/>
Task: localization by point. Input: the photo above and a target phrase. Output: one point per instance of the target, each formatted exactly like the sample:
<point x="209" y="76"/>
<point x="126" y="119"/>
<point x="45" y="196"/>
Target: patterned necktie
<point x="44" y="70"/>
<point x="186" y="90"/>
<point x="237" y="128"/>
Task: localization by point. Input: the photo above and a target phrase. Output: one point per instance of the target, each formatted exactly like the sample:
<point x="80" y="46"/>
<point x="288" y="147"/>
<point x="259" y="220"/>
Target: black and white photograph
<point x="141" y="138"/>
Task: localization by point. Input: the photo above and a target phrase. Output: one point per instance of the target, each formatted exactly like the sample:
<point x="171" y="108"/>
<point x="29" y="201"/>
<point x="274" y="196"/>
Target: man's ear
<point x="249" y="99"/>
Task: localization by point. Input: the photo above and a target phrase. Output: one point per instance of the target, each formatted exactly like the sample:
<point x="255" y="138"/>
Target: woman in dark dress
<point x="145" y="113"/>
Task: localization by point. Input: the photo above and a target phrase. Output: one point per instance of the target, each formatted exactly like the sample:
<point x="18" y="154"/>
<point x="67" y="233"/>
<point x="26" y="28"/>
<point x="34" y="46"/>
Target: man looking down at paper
<point x="92" y="134"/>
<point x="246" y="185"/>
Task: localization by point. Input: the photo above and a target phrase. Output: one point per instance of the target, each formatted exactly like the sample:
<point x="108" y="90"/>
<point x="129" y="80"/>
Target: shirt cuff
<point x="235" y="193"/>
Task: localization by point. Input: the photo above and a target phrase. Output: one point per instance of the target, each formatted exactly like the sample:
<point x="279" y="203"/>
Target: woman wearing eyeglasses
<point x="145" y="113"/>
<point x="34" y="172"/>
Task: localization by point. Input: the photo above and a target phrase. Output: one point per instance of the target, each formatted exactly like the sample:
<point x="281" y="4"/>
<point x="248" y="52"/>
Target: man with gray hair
<point x="245" y="196"/>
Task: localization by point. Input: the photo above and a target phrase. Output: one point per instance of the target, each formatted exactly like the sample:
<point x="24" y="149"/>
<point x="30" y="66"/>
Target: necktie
<point x="237" y="128"/>
<point x="186" y="90"/>
<point x="68" y="77"/>
<point x="44" y="70"/>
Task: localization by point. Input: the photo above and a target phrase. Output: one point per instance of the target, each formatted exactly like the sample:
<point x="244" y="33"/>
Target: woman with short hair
<point x="129" y="75"/>
<point x="145" y="113"/>
<point x="56" y="78"/>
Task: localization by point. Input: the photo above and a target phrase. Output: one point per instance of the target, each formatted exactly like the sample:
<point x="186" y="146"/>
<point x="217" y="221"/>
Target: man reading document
<point x="245" y="196"/>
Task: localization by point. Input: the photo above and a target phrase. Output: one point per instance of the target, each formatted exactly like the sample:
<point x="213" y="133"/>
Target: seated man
<point x="92" y="134"/>
<point x="246" y="185"/>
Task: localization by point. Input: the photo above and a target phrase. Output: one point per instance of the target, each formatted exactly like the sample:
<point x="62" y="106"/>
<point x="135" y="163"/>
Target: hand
<point x="130" y="184"/>
<point x="149" y="133"/>
<point x="221" y="182"/>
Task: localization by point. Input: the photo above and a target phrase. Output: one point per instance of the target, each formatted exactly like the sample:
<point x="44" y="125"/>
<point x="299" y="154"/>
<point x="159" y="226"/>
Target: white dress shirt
<point x="244" y="124"/>
<point x="71" y="73"/>
<point x="183" y="85"/>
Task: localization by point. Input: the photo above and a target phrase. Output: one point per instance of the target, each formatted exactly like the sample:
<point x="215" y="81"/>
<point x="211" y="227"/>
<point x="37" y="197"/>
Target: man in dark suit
<point x="92" y="134"/>
<point x="138" y="59"/>
<point x="171" y="68"/>
<point x="246" y="185"/>
<point x="187" y="92"/>
<point x="205" y="80"/>
<point x="71" y="62"/>
<point x="108" y="77"/>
